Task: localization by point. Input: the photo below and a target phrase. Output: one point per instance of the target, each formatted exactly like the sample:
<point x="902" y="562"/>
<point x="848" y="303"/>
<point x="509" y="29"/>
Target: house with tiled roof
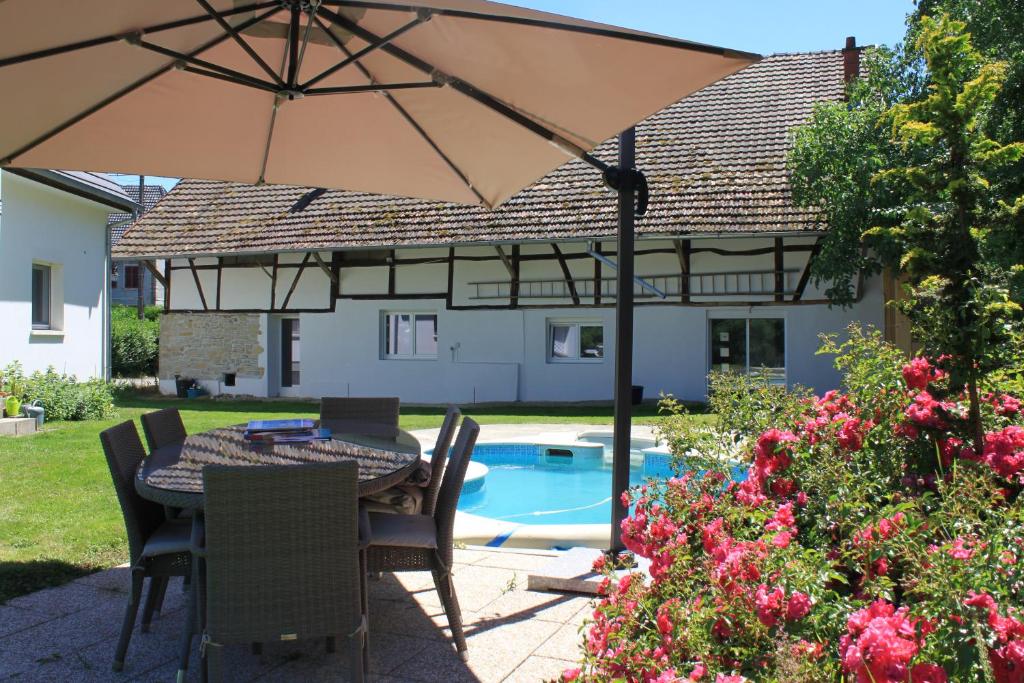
<point x="129" y="279"/>
<point x="278" y="290"/>
<point x="53" y="260"/>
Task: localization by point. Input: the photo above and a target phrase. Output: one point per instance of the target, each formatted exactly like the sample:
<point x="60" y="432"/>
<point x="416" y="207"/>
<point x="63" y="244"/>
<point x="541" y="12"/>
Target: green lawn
<point x="59" y="518"/>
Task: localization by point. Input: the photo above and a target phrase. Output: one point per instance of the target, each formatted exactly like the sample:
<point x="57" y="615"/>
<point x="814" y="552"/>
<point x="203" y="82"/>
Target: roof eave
<point x="72" y="185"/>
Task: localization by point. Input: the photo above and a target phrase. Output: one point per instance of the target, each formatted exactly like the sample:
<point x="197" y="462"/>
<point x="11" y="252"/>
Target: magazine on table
<point x="285" y="431"/>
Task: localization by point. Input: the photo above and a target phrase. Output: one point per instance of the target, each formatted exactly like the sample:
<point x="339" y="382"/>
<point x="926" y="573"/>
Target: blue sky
<point x="763" y="26"/>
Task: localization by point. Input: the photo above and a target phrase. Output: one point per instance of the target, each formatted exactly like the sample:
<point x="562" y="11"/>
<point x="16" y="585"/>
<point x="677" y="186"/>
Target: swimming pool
<point x="530" y="483"/>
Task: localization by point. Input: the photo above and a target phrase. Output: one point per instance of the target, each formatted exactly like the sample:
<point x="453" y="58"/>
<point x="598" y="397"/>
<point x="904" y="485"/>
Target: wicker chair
<point x="282" y="558"/>
<point x="158" y="547"/>
<point x="163" y="428"/>
<point x="400" y="543"/>
<point x="369" y="416"/>
<point x="440" y="457"/>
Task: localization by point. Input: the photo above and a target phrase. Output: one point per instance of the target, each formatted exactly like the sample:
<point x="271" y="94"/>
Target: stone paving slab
<point x="514" y="634"/>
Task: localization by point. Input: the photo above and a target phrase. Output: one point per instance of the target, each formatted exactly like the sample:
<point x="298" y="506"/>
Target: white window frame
<point x="552" y="323"/>
<point x="47" y="303"/>
<point x="746" y="318"/>
<point x="385" y="315"/>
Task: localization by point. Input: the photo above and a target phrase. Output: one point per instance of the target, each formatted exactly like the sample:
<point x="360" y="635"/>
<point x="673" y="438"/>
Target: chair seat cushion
<point x="173" y="536"/>
<point x="403" y="531"/>
<point x="403" y="499"/>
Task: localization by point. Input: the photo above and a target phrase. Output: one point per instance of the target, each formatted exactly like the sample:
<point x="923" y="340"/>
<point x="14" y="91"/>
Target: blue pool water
<point x="531" y="484"/>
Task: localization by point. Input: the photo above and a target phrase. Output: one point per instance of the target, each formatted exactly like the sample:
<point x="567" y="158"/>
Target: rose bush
<point x="870" y="540"/>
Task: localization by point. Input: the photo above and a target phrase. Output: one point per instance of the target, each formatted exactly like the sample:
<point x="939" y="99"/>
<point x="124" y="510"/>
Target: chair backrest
<point x="163" y="428"/>
<point x="124" y="451"/>
<point x="282" y="556"/>
<point x="370" y="416"/>
<point x="451" y="487"/>
<point x="440" y="457"/>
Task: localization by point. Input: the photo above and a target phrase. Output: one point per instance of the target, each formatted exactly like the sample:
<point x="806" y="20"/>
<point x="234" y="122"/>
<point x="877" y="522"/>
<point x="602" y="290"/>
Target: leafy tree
<point x="835" y="156"/>
<point x="950" y="227"/>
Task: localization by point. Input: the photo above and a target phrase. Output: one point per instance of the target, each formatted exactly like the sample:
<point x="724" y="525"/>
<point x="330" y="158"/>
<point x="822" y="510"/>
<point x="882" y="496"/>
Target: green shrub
<point x="134" y="343"/>
<point x="62" y="396"/>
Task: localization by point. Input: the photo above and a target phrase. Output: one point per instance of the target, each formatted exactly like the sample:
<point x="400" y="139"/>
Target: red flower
<point x="798" y="606"/>
<point x="926" y="411"/>
<point x="928" y="673"/>
<point x="769" y="604"/>
<point x="879" y="644"/>
<point x="919" y="373"/>
<point x="1004" y="452"/>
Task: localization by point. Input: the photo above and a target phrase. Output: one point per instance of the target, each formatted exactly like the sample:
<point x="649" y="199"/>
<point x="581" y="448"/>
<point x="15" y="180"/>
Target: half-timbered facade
<point x="291" y="291"/>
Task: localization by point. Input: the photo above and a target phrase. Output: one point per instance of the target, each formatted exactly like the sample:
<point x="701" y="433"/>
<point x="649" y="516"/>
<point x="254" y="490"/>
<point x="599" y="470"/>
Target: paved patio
<point x="69" y="633"/>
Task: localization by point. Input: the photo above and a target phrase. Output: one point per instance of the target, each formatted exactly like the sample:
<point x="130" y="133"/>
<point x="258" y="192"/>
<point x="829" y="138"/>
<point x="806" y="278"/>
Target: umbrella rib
<point x="234" y="76"/>
<point x="314" y="4"/>
<point x="408" y="118"/>
<point x="235" y="35"/>
<point x="472" y="92"/>
<point x="372" y="87"/>
<point x="259" y="85"/>
<point x="605" y="32"/>
<point x="359" y="54"/>
<point x="93" y="42"/>
<point x="124" y="91"/>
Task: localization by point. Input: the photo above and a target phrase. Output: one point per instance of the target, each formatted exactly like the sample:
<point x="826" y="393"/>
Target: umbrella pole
<point x="623" y="333"/>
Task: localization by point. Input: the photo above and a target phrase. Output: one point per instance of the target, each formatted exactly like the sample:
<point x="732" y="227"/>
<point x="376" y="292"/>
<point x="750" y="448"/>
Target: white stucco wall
<point x="40" y="224"/>
<point x="502" y="355"/>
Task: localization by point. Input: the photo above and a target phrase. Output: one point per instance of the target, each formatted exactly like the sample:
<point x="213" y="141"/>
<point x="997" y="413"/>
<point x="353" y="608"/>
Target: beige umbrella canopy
<point x="457" y="100"/>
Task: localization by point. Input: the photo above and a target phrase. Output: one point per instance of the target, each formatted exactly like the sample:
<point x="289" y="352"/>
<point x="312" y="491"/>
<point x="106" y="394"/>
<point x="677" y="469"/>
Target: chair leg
<point x="213" y="669"/>
<point x="190" y="626"/>
<point x="446" y="591"/>
<point x="138" y="577"/>
<point x="364" y="589"/>
<point x="163" y="594"/>
<point x="152" y="599"/>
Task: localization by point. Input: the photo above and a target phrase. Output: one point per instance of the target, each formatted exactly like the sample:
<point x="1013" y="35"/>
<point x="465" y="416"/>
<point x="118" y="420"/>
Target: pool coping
<point x="475" y="530"/>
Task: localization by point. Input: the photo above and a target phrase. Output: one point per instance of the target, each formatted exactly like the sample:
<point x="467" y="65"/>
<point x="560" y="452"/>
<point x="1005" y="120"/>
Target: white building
<point x="53" y="269"/>
<point x="290" y="291"/>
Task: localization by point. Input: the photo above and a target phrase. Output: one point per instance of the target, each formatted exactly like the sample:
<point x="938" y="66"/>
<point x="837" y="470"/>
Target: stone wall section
<point x="206" y="345"/>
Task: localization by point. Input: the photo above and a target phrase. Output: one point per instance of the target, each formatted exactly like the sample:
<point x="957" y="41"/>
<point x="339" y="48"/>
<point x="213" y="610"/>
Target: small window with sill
<point x="753" y="346"/>
<point x="409" y="336"/>
<point x="575" y="342"/>
<point x="41" y="302"/>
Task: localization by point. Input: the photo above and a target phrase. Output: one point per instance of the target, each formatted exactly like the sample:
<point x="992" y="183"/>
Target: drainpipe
<point x="105" y="354"/>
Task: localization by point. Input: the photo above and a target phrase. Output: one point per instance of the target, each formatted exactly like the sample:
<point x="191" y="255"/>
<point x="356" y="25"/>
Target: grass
<point x="59" y="517"/>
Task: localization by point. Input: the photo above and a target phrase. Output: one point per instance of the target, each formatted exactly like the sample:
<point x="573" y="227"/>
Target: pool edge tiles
<point x="473" y="529"/>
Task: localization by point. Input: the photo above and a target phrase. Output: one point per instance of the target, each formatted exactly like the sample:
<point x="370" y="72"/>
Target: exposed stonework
<point x="206" y="345"/>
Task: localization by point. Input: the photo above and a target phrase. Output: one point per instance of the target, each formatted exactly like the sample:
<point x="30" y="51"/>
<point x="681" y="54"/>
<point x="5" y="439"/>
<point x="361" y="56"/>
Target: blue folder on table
<point x="279" y="425"/>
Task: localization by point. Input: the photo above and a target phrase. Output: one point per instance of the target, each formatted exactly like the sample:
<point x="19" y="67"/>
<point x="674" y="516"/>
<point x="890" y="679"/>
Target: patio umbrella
<point x="456" y="100"/>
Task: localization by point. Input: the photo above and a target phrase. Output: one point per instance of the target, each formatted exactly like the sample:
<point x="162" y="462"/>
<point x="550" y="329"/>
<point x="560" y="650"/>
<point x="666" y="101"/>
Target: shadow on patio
<point x="69" y="633"/>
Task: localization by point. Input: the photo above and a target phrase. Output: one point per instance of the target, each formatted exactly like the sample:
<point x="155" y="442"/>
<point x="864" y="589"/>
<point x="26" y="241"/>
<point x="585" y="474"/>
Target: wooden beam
<point x="506" y="260"/>
<point x="199" y="285"/>
<point x="220" y="272"/>
<point x="683" y="252"/>
<point x="569" y="282"/>
<point x="295" y="282"/>
<point x="514" y="293"/>
<point x="780" y="277"/>
<point x="157" y="275"/>
<point x="805" y="276"/>
<point x="391" y="273"/>
<point x="273" y="284"/>
<point x="450" y="293"/>
<point x="167" y="287"/>
<point x="265" y="271"/>
<point x="324" y="267"/>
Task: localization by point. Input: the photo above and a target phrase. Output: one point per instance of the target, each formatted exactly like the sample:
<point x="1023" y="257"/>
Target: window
<point x="290" y="355"/>
<point x="113" y="276"/>
<point x="41" y="276"/>
<point x="755" y="346"/>
<point x="131" y="277"/>
<point x="572" y="342"/>
<point x="409" y="335"/>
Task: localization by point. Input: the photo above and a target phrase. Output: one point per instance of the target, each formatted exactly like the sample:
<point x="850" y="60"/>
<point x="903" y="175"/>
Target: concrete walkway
<point x="69" y="633"/>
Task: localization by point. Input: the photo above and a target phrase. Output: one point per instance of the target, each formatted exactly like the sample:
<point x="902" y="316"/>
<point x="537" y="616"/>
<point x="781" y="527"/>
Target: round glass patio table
<point x="173" y="475"/>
